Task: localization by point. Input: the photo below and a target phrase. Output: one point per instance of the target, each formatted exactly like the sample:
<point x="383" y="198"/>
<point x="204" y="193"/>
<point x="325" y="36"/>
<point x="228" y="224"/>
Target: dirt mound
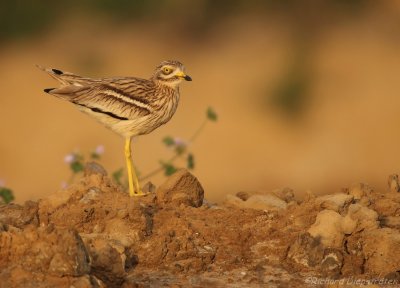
<point x="94" y="235"/>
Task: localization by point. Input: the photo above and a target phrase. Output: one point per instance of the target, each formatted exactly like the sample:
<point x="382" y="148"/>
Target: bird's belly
<point x="138" y="126"/>
<point x="148" y="123"/>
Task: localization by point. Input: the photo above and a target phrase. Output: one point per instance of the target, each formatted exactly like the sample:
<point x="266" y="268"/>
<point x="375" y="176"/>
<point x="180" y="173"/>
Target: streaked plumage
<point x="129" y="106"/>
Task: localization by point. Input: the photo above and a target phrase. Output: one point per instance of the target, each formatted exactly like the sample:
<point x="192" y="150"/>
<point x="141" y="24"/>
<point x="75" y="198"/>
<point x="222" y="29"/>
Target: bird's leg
<point x="134" y="187"/>
<point x="129" y="166"/>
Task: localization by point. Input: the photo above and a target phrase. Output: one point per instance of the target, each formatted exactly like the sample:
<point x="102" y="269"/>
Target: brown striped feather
<point x="128" y="105"/>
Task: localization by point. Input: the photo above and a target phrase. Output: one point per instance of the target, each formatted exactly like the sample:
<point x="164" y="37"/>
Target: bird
<point x="129" y="106"/>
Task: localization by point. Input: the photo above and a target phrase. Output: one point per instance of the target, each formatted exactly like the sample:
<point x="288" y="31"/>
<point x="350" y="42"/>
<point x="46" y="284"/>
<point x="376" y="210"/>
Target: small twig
<point x="159" y="169"/>
<point x="198" y="131"/>
<point x="71" y="178"/>
<point x="176" y="156"/>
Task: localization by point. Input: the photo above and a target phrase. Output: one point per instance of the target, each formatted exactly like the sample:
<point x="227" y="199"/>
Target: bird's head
<point x="170" y="73"/>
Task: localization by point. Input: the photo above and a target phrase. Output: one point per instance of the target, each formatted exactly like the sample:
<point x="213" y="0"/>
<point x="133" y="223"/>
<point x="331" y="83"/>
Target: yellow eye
<point x="167" y="70"/>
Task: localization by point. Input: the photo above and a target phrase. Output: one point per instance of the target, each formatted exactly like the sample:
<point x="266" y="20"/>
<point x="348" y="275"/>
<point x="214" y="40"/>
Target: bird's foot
<point x="138" y="193"/>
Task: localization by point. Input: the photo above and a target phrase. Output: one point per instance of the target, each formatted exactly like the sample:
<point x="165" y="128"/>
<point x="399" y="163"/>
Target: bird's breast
<point x="169" y="105"/>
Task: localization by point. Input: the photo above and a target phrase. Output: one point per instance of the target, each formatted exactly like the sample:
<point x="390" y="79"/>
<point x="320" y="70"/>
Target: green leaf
<point x="76" y="166"/>
<point x="168" y="141"/>
<point x="169" y="169"/>
<point x="211" y="114"/>
<point x="6" y="194"/>
<point x="190" y="161"/>
<point x="117" y="175"/>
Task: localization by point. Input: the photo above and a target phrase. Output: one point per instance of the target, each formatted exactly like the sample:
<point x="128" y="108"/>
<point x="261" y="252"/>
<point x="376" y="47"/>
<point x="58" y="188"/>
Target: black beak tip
<point x="187" y="78"/>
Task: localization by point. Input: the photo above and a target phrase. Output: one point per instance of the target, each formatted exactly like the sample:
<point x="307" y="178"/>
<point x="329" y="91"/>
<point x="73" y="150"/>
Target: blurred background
<point x="307" y="92"/>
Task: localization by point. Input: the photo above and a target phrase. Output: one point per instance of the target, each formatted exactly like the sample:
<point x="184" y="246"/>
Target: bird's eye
<point x="167" y="70"/>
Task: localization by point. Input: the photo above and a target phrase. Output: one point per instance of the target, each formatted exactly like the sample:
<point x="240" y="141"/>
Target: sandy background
<point x="346" y="132"/>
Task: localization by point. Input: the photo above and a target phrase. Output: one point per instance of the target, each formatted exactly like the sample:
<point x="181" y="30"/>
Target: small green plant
<point x="6" y="194"/>
<point x="180" y="148"/>
<point x="76" y="162"/>
<point x="118" y="175"/>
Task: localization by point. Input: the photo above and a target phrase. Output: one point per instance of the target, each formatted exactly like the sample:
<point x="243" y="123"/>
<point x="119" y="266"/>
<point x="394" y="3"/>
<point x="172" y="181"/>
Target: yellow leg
<point x="134" y="187"/>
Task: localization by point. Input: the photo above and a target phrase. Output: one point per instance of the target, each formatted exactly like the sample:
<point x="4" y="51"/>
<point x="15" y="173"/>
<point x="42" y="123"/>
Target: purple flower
<point x="64" y="185"/>
<point x="179" y="142"/>
<point x="69" y="158"/>
<point x="99" y="150"/>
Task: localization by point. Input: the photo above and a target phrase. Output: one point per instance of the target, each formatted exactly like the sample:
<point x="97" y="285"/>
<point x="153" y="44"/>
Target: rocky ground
<point x="94" y="235"/>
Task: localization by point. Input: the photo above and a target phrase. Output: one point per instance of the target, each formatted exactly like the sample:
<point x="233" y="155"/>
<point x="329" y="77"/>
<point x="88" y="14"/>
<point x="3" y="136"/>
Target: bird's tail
<point x="66" y="78"/>
<point x="70" y="83"/>
<point x="56" y="74"/>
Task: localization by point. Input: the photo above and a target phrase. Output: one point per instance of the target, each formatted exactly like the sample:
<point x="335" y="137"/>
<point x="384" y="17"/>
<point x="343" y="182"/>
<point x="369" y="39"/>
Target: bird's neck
<point x="171" y="97"/>
<point x="166" y="91"/>
<point x="170" y="84"/>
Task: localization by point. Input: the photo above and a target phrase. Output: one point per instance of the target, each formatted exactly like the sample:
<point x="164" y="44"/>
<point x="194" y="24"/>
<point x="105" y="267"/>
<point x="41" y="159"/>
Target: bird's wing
<point x="124" y="98"/>
<point x="106" y="99"/>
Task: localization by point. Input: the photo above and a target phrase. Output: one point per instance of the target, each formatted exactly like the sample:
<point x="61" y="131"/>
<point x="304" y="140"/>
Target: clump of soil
<point x="95" y="235"/>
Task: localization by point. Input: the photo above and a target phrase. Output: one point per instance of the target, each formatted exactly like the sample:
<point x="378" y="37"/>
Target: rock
<point x="16" y="276"/>
<point x="119" y="230"/>
<point x="58" y="252"/>
<point x="393" y="183"/>
<point x="51" y="203"/>
<point x="286" y="194"/>
<point x="382" y="251"/>
<point x="365" y="201"/>
<point x="70" y="257"/>
<point x="181" y="188"/>
<point x="257" y="201"/>
<point x="83" y="204"/>
<point x="265" y="202"/>
<point x="149" y="188"/>
<point x="331" y="226"/>
<point x="208" y="204"/>
<point x="353" y="255"/>
<point x="332" y="262"/>
<point x="365" y="217"/>
<point x="306" y="251"/>
<point x="92" y="195"/>
<point x="135" y="242"/>
<point x="328" y="228"/>
<point x="94" y="168"/>
<point x="360" y="190"/>
<point x="303" y="214"/>
<point x="19" y="216"/>
<point x="387" y="205"/>
<point x="87" y="281"/>
<point x="310" y="196"/>
<point x="108" y="261"/>
<point x="394" y="276"/>
<point x="390" y="221"/>
<point x="231" y="200"/>
<point x="243" y="195"/>
<point x="349" y="224"/>
<point x="336" y="202"/>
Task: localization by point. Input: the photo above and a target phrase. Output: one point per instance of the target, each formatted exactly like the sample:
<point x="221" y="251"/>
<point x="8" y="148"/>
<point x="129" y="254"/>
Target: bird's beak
<point x="184" y="76"/>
